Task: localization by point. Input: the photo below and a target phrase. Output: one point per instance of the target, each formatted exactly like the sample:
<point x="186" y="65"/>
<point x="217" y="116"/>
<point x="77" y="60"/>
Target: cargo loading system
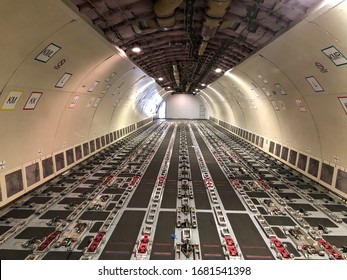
<point x="177" y="190"/>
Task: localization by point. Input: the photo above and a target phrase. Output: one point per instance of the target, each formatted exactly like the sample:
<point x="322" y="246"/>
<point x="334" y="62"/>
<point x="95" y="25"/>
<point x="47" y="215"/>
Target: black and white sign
<point x="74" y="101"/>
<point x="11" y="100"/>
<point x="301" y="105"/>
<point x="280" y="89"/>
<point x="93" y="86"/>
<point x="314" y="84"/>
<point x="335" y="56"/>
<point x="47" y="53"/>
<point x="97" y="101"/>
<point x="63" y="80"/>
<point x="274" y="104"/>
<point x="32" y="101"/>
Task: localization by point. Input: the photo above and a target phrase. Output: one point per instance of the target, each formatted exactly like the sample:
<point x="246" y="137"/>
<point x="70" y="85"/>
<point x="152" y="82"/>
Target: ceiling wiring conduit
<point x="176" y="73"/>
<point x="214" y="14"/>
<point x="165" y="12"/>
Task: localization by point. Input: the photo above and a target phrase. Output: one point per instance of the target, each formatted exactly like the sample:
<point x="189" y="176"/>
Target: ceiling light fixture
<point x="203" y="85"/>
<point x="218" y="70"/>
<point x="160" y="79"/>
<point x="136" y="49"/>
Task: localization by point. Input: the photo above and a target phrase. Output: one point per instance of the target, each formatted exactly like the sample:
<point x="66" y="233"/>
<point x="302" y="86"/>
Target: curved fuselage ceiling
<point x="66" y="90"/>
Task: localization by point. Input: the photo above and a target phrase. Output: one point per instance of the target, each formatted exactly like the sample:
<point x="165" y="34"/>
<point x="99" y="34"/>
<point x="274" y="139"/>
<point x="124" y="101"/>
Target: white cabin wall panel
<point x="28" y="131"/>
<point x="258" y="114"/>
<point x="201" y="96"/>
<point x="298" y="60"/>
<point x="332" y="124"/>
<point x="317" y="128"/>
<point x="74" y="123"/>
<point x="222" y="94"/>
<point x="108" y="115"/>
<point x="54" y="126"/>
<point x="81" y="50"/>
<point x="294" y="128"/>
<point x="333" y="23"/>
<point x="183" y="106"/>
<point x="27" y="26"/>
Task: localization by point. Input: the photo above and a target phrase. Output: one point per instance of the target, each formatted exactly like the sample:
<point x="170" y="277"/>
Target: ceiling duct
<point x="176" y="73"/>
<point x="165" y="12"/>
<point x="215" y="11"/>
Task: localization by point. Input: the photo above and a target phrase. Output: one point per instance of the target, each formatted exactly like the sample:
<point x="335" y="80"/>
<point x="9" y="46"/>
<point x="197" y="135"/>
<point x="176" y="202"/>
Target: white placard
<point x="274" y="104"/>
<point x="74" y="101"/>
<point x="90" y="103"/>
<point x="300" y="105"/>
<point x="314" y="84"/>
<point x="106" y="88"/>
<point x="93" y="86"/>
<point x="32" y="101"/>
<point x="11" y="100"/>
<point x="255" y="93"/>
<point x="267" y="92"/>
<point x="47" y="53"/>
<point x="97" y="101"/>
<point x="280" y="89"/>
<point x="63" y="80"/>
<point x="335" y="56"/>
<point x="283" y="107"/>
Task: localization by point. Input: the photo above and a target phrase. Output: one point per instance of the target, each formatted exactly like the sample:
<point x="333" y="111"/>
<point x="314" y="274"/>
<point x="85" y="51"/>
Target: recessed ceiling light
<point x="160" y="79"/>
<point x="136" y="49"/>
<point x="203" y="85"/>
<point x="168" y="87"/>
<point x="218" y="70"/>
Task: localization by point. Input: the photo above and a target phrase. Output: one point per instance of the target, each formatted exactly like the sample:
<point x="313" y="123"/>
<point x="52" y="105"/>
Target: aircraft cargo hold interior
<point x="173" y="130"/>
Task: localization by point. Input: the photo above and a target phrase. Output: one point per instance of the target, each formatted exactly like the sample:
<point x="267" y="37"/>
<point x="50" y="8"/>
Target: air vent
<point x="252" y="12"/>
<point x="253" y="26"/>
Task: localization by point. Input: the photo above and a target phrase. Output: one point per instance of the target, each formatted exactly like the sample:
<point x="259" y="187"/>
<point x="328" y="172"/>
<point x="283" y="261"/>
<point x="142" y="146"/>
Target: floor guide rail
<point x="177" y="190"/>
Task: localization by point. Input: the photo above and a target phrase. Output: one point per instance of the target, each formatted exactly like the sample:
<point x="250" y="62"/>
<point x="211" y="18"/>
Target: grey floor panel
<point x="258" y="194"/>
<point x="96" y="226"/>
<point x="336" y="240"/>
<point x="19" y="214"/>
<point x="38" y="232"/>
<point x="163" y="244"/>
<point x="199" y="190"/>
<point x="210" y="244"/>
<point x="143" y="192"/>
<point x="70" y="200"/>
<point x="122" y="241"/>
<point x="55" y="255"/>
<point x="279" y="232"/>
<point x="39" y="199"/>
<point x="279" y="221"/>
<point x="336" y="207"/>
<point x="94" y="215"/>
<point x="314" y="222"/>
<point x="51" y="214"/>
<point x="4" y="229"/>
<point x="290" y="247"/>
<point x="229" y="198"/>
<point x="250" y="241"/>
<point x="304" y="206"/>
<point x="170" y="190"/>
<point x="10" y="254"/>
